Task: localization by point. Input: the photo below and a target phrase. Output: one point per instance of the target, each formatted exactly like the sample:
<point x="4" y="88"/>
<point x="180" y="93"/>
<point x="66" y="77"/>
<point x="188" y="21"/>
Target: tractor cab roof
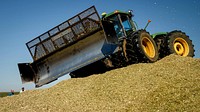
<point x="105" y="15"/>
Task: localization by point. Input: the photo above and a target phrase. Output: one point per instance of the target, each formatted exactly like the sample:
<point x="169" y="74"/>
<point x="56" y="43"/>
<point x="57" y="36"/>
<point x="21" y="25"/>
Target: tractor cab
<point x="117" y="25"/>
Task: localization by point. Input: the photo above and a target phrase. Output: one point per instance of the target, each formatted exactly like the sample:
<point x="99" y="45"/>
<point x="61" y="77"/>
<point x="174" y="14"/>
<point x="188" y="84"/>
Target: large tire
<point x="130" y="53"/>
<point x="179" y="43"/>
<point x="145" y="47"/>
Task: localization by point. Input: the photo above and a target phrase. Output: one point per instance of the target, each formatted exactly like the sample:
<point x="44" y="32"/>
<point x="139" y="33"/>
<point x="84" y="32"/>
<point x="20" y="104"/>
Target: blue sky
<point x="23" y="20"/>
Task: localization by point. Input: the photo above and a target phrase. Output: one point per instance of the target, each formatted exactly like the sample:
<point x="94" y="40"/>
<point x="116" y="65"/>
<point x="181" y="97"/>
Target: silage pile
<point x="171" y="84"/>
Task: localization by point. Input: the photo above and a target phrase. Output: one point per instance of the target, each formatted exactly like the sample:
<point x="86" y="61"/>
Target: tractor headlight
<point x="130" y="13"/>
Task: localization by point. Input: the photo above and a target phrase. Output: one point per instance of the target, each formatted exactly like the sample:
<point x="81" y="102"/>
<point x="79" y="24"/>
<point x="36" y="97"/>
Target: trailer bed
<point x="65" y="34"/>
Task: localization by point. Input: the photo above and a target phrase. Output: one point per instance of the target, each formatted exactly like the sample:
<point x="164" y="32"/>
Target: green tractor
<point x="139" y="43"/>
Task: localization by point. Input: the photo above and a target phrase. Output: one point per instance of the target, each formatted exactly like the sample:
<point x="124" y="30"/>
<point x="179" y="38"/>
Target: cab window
<point x="126" y="24"/>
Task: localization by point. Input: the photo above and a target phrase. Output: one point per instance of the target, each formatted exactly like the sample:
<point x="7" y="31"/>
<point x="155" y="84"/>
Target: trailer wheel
<point x="146" y="47"/>
<point x="180" y="44"/>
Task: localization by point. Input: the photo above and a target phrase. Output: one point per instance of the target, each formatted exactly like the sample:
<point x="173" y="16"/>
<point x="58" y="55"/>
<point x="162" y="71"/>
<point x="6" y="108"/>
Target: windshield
<point x="117" y="26"/>
<point x="126" y="23"/>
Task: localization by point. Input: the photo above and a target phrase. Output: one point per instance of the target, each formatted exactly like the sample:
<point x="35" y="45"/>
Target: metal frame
<point x="65" y="34"/>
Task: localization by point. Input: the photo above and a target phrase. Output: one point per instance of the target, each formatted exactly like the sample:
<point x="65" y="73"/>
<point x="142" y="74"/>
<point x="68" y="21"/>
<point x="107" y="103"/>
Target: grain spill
<point x="169" y="85"/>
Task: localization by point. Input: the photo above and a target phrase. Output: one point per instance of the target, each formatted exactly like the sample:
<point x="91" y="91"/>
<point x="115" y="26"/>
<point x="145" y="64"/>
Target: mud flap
<point x="26" y="72"/>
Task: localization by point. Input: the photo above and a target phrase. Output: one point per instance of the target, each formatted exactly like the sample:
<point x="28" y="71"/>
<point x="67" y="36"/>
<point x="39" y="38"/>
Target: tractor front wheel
<point x="146" y="46"/>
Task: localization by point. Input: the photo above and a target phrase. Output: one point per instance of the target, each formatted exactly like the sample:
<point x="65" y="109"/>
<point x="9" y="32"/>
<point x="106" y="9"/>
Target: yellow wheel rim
<point x="181" y="47"/>
<point x="148" y="47"/>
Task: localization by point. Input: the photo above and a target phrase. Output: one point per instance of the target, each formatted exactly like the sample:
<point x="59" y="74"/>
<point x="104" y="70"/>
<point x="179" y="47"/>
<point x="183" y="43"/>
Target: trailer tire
<point x="179" y="43"/>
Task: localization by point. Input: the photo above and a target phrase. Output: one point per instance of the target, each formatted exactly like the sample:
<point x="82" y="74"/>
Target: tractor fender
<point x="155" y="35"/>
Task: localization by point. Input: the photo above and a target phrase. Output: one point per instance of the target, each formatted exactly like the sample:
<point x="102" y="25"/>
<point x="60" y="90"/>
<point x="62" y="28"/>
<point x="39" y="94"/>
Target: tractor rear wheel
<point x="179" y="43"/>
<point x="146" y="48"/>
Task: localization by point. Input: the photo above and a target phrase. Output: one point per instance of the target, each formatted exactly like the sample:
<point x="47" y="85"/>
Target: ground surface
<point x="169" y="85"/>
